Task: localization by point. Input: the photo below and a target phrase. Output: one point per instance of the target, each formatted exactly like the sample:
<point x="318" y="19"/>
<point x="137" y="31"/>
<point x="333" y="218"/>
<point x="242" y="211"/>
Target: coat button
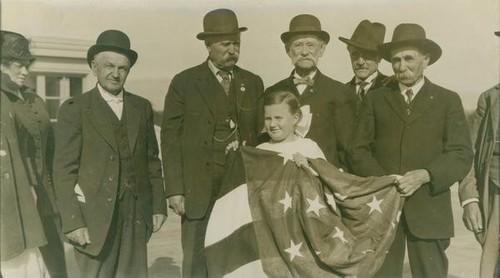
<point x="110" y="199"/>
<point x="6" y="176"/>
<point x="3" y="153"/>
<point x="112" y="157"/>
<point x="111" y="178"/>
<point x="73" y="216"/>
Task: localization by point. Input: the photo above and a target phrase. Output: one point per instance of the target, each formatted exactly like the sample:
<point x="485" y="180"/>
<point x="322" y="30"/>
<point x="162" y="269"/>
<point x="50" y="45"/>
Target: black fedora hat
<point x="410" y="34"/>
<point x="15" y="46"/>
<point x="220" y="22"/>
<point x="112" y="40"/>
<point x="368" y="36"/>
<point x="305" y="24"/>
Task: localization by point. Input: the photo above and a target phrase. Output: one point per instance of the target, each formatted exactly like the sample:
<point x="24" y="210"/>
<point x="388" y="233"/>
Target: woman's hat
<point x="220" y="22"/>
<point x="15" y="46"/>
<point x="367" y="36"/>
<point x="112" y="40"/>
<point x="305" y="24"/>
<point x="410" y="34"/>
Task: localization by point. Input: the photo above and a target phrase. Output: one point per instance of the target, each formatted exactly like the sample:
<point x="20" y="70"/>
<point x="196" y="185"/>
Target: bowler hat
<point x="410" y="34"/>
<point x="112" y="40"/>
<point x="305" y="24"/>
<point x="220" y="22"/>
<point x="15" y="46"/>
<point x="367" y="36"/>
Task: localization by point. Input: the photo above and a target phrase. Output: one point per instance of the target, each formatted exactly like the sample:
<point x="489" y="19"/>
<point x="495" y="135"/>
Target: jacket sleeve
<point x="68" y="146"/>
<point x="455" y="161"/>
<point x="360" y="155"/>
<point x="467" y="189"/>
<point x="171" y="139"/>
<point x="154" y="166"/>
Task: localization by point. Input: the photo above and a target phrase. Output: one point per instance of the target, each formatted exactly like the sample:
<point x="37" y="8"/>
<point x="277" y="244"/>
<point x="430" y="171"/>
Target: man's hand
<point x="472" y="217"/>
<point x="411" y="181"/>
<point x="233" y="146"/>
<point x="176" y="203"/>
<point x="158" y="220"/>
<point x="80" y="236"/>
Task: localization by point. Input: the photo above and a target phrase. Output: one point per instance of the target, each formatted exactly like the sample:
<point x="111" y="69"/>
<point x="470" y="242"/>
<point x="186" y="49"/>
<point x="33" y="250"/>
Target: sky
<point x="164" y="35"/>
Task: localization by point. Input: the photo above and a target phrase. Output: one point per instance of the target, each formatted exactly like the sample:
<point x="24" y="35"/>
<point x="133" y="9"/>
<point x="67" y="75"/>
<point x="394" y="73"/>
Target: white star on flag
<point x="314" y="205"/>
<point x="331" y="201"/>
<point x="294" y="250"/>
<point x="287" y="202"/>
<point x="375" y="205"/>
<point x="340" y="235"/>
<point x="286" y="157"/>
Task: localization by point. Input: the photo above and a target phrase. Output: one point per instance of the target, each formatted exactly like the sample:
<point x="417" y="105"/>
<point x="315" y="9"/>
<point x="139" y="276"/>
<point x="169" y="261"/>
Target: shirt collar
<point x="109" y="97"/>
<point x="310" y="75"/>
<point x="215" y="69"/>
<point x="369" y="79"/>
<point x="415" y="88"/>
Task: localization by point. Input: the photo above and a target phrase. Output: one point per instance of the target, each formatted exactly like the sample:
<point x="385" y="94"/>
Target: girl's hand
<point x="300" y="160"/>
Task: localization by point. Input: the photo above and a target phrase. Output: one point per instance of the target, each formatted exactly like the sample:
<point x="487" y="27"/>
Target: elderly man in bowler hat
<point x="325" y="102"/>
<point x="363" y="51"/>
<point x="107" y="173"/>
<point x="208" y="108"/>
<point x="418" y="131"/>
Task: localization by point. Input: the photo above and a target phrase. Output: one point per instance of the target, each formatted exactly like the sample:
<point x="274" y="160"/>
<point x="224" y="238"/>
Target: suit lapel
<point x="133" y="120"/>
<point x="422" y="102"/>
<point x="101" y="117"/>
<point x="207" y="83"/>
<point x="494" y="100"/>
<point x="392" y="97"/>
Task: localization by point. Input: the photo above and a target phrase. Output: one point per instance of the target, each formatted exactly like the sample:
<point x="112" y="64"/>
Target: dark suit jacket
<point x="332" y="113"/>
<point x="188" y="128"/>
<point x="87" y="155"/>
<point x="435" y="137"/>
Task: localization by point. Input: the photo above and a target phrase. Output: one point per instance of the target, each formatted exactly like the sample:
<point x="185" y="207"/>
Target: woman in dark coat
<point x="30" y="245"/>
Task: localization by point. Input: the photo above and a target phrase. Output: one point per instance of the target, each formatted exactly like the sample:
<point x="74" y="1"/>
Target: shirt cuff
<point x="470" y="200"/>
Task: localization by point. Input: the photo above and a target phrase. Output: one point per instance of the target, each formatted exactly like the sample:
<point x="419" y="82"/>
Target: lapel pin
<point x="242" y="88"/>
<point x="432" y="97"/>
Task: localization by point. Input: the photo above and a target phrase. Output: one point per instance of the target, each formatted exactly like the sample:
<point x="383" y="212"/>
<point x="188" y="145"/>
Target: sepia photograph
<point x="250" y="138"/>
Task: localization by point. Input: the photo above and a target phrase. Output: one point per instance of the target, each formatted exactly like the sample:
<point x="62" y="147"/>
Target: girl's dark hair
<point x="285" y="97"/>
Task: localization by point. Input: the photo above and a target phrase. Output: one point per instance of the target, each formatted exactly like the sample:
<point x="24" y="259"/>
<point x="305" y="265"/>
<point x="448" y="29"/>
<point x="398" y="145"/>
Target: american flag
<point x="274" y="219"/>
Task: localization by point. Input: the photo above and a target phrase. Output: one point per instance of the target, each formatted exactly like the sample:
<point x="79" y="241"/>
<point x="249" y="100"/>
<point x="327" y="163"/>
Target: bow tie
<point x="115" y="100"/>
<point x="303" y="80"/>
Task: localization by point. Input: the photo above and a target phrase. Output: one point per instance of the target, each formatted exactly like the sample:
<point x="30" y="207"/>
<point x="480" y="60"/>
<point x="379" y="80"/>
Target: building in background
<point x="60" y="70"/>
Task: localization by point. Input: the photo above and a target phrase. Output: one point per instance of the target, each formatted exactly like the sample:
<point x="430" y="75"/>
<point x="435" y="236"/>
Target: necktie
<point x="361" y="90"/>
<point x="409" y="96"/>
<point x="303" y="81"/>
<point x="226" y="82"/>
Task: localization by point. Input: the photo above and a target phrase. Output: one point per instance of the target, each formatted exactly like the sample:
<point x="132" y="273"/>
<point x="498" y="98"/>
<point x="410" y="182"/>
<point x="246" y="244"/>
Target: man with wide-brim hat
<point x="418" y="131"/>
<point x="107" y="173"/>
<point x="324" y="100"/>
<point x="210" y="109"/>
<point x="363" y="52"/>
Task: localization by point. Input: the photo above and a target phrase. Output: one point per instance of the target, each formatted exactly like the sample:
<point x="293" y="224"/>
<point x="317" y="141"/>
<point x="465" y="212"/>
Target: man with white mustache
<point x="325" y="102"/>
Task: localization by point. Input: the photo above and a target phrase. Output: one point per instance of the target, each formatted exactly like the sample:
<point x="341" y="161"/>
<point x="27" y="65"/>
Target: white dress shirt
<point x="115" y="102"/>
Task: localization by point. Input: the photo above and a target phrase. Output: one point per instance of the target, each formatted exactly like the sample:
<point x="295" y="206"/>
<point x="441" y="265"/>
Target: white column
<point x="40" y="86"/>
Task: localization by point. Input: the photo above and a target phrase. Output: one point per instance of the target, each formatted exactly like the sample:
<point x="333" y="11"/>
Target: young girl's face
<point x="280" y="122"/>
